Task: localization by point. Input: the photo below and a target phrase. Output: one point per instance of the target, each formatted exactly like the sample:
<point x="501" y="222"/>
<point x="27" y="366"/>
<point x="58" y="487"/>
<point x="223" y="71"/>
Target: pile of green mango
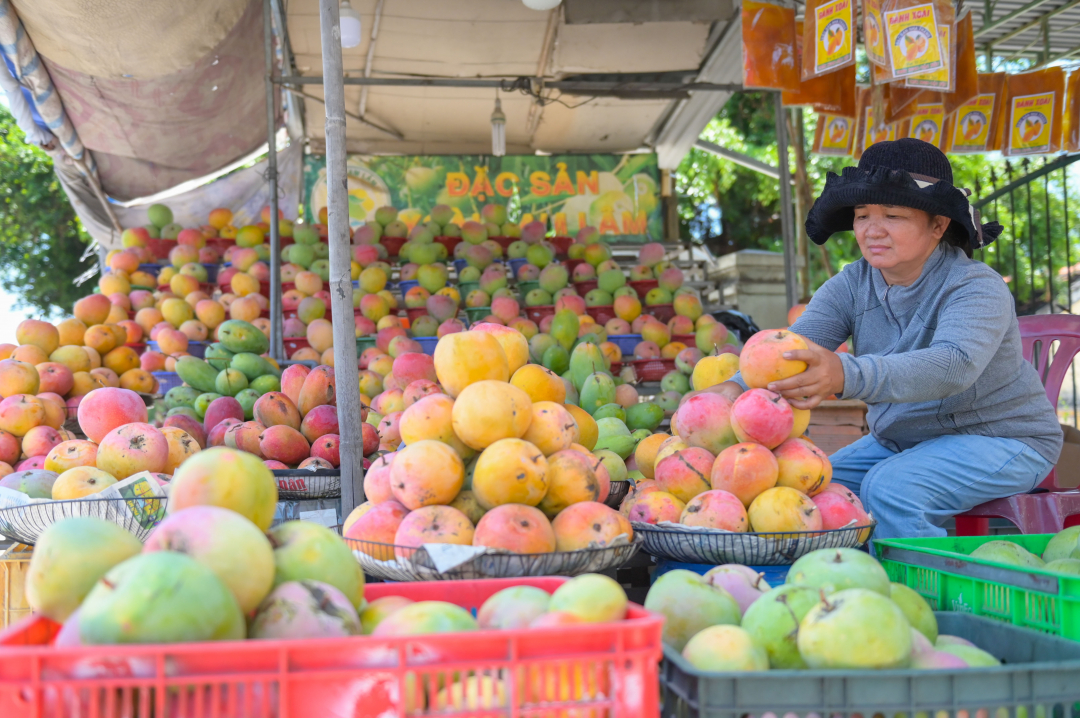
<point x="232" y="366"/>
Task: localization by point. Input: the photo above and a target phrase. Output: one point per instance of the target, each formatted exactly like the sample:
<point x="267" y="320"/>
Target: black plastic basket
<point x="136" y="516"/>
<point x="304" y="485"/>
<point x="750" y="549"/>
<point x="380" y="561"/>
<point x="1039" y="670"/>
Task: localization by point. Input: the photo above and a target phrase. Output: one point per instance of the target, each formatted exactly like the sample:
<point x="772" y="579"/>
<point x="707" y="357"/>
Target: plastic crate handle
<point x="1011" y="577"/>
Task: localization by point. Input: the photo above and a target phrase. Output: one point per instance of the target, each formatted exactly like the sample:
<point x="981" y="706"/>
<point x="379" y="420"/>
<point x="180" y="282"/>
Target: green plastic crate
<point x="526" y="287"/>
<point x="465" y="287"/>
<point x="364" y="342"/>
<point x="475" y="314"/>
<point x="942" y="572"/>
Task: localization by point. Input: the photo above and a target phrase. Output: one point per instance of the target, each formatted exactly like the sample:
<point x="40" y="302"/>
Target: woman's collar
<point x="940" y="255"/>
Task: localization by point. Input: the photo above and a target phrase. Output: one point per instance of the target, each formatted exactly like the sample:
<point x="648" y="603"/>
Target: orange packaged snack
<point x="828" y="37"/>
<point x="870" y="130"/>
<point x="966" y="72"/>
<point x="768" y="37"/>
<point x="927" y="122"/>
<point x="941" y="79"/>
<point x="973" y="127"/>
<point x="832" y="94"/>
<point x="1071" y="117"/>
<point x="913" y="36"/>
<point x="1034" y="109"/>
<point x="834" y="135"/>
<point x="873" y="34"/>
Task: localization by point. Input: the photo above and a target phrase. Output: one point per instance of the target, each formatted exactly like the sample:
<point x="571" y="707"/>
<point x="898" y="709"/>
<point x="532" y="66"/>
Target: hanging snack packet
<point x="768" y="38"/>
<point x="831" y="94"/>
<point x="834" y="135"/>
<point x="1035" y="102"/>
<point x="870" y="129"/>
<point x="926" y="123"/>
<point x="972" y="128"/>
<point x="873" y="34"/>
<point x="966" y="72"/>
<point x="1070" y="128"/>
<point x="913" y="36"/>
<point x="828" y="37"/>
<point x="941" y="79"/>
<point x="903" y="101"/>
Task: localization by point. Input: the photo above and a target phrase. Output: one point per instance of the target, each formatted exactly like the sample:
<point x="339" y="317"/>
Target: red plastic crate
<point x="264" y="288"/>
<point x="536" y="314"/>
<point x="586" y="286"/>
<point x="293" y="344"/>
<point x="642" y="286"/>
<point x="221" y="244"/>
<point x="503" y="242"/>
<point x="652" y="369"/>
<point x="139" y="347"/>
<point x="160" y="248"/>
<point x="450" y="243"/>
<point x="415" y="313"/>
<point x="571" y="263"/>
<point x="662" y="312"/>
<point x="562" y="244"/>
<point x="393" y="244"/>
<point x="689" y="340"/>
<point x="605" y="669"/>
<point x="601" y="314"/>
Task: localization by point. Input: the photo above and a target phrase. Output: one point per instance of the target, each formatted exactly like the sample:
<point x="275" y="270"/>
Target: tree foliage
<point x="41" y="239"/>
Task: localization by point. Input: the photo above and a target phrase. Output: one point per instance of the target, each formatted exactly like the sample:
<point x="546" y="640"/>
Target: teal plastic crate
<point x="942" y="571"/>
<point x="1038" y="680"/>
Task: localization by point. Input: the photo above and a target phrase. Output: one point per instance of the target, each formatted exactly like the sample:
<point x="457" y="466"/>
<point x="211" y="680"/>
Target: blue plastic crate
<point x="195" y="349"/>
<point x="406" y="284"/>
<point x="152" y="268"/>
<point x="211" y="272"/>
<point x="167" y="380"/>
<point x="427" y="344"/>
<point x="625" y="342"/>
<point x="460" y="264"/>
<point x="516" y="264"/>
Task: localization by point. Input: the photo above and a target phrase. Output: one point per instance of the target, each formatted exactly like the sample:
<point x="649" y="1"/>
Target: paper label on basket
<point x="323" y="517"/>
<point x="447" y="556"/>
<point x="142" y="494"/>
<point x="9" y="498"/>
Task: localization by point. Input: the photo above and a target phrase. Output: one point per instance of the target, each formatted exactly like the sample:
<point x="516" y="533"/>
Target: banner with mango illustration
<point x="912" y="35"/>
<point x="617" y="194"/>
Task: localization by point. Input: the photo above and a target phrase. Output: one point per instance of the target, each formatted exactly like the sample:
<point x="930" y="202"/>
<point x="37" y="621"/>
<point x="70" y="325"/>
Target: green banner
<point x="617" y="194"/>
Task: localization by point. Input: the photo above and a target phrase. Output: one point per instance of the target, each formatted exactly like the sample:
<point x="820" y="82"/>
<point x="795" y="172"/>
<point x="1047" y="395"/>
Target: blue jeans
<point x="912" y="493"/>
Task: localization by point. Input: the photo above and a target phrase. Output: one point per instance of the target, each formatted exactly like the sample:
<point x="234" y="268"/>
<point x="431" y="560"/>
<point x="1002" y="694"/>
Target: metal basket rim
<point x="641" y="526"/>
<point x="49" y="502"/>
<point x="634" y="541"/>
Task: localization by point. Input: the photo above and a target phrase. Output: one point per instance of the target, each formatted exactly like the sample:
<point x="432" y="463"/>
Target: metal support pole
<point x="787" y="216"/>
<point x="277" y="350"/>
<point x="346" y="377"/>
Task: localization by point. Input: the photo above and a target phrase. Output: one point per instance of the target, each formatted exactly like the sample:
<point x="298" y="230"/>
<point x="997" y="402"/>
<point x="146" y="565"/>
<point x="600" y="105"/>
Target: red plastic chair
<point x="1050" y="510"/>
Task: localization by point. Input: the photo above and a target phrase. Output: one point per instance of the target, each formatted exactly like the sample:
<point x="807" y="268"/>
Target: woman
<point x="957" y="417"/>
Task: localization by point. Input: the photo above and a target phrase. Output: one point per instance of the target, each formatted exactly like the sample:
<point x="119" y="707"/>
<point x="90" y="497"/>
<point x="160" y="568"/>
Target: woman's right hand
<point x="729" y="389"/>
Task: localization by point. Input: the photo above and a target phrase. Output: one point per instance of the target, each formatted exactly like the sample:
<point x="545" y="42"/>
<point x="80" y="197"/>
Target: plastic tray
<point x="264" y="288"/>
<point x="537" y="314"/>
<point x="393" y="244"/>
<point x="160" y="248"/>
<point x="662" y="312"/>
<point x="561" y="244"/>
<point x="450" y="243"/>
<point x="602" y="669"/>
<point x="414" y="313"/>
<point x="427" y="344"/>
<point x="195" y="349"/>
<point x="586" y="286"/>
<point x="294" y="344"/>
<point x="305" y="485"/>
<point x="941" y="571"/>
<point x="602" y="315"/>
<point x="652" y="369"/>
<point x="625" y="342"/>
<point x="167" y="380"/>
<point x="476" y="314"/>
<point x="139" y="347"/>
<point x="527" y="286"/>
<point x="1040" y="670"/>
<point x="25" y="523"/>
<point x="751" y="549"/>
<point x="416" y="564"/>
<point x="406" y="284"/>
<point x="365" y="342"/>
<point x="689" y="340"/>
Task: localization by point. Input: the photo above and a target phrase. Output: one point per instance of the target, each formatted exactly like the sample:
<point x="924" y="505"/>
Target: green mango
<point x="469" y="471"/>
<point x="675" y="380"/>
<point x="597" y="389"/>
<point x="196" y="373"/>
<point x="203" y="402"/>
<point x="564" y="328"/>
<point x="231" y="382"/>
<point x="610" y="426"/>
<point x="610" y="410"/>
<point x="621" y="445"/>
<point x="180" y="396"/>
<point x="614" y="464"/>
<point x="218" y="356"/>
<point x="644" y="416"/>
<point x="585" y="360"/>
<point x="238" y="336"/>
<point x="571" y="394"/>
<point x="538" y="345"/>
<point x="251" y="365"/>
<point x="185" y="410"/>
<point x="641" y="434"/>
<point x="247" y="399"/>
<point x="556" y="359"/>
<point x="266" y="383"/>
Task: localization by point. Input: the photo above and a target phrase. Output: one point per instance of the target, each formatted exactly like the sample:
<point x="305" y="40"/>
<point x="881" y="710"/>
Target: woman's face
<point x="897" y="240"/>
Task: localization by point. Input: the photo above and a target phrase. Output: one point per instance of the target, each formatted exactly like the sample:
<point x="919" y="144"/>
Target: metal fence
<point x="1037" y="254"/>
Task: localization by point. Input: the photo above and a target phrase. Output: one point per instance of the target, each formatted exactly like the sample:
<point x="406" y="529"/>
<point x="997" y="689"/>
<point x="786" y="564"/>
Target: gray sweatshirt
<point x="939" y="357"/>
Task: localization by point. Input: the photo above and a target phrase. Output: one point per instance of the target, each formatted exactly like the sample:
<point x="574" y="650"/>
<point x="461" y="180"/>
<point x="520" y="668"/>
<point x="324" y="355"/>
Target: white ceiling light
<point x="498" y="130"/>
<point x="350" y="25"/>
<point x="541" y="4"/>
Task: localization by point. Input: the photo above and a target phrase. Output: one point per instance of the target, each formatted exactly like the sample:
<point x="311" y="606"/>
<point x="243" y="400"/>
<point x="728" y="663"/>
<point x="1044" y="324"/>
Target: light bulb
<point x="498" y="130"/>
<point x="350" y="25"/>
<point x="541" y="4"/>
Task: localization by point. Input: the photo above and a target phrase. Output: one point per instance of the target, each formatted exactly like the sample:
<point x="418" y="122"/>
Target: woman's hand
<point x="824" y="376"/>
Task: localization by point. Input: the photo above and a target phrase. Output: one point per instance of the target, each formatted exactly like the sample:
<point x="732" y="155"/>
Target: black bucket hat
<point x="906" y="173"/>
